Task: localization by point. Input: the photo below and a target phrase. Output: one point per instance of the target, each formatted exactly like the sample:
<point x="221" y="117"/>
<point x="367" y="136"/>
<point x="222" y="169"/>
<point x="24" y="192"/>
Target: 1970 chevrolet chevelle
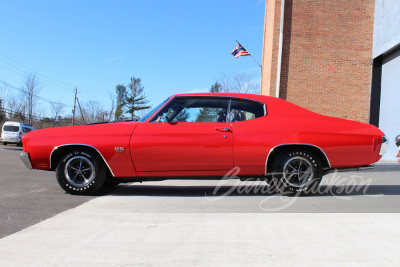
<point x="204" y="136"/>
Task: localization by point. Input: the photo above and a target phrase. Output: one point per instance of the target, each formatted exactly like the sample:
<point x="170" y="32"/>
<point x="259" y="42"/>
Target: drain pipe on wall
<point x="278" y="74"/>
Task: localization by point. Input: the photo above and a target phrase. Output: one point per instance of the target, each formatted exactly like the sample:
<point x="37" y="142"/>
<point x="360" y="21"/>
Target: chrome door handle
<point x="222" y="129"/>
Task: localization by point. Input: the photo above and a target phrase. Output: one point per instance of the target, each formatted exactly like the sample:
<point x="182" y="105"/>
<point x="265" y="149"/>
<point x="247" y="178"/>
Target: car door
<point x="189" y="134"/>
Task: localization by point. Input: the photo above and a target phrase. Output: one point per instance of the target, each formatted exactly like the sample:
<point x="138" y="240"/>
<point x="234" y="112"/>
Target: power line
<point x="23" y="91"/>
<point x="19" y="64"/>
<point x="41" y="75"/>
<point x="41" y="79"/>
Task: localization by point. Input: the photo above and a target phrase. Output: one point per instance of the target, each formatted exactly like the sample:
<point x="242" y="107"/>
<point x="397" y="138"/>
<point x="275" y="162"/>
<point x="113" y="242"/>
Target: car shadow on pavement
<point x="191" y="191"/>
<point x="201" y="191"/>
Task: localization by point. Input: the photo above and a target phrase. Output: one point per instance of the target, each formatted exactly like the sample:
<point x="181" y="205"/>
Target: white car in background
<point x="12" y="132"/>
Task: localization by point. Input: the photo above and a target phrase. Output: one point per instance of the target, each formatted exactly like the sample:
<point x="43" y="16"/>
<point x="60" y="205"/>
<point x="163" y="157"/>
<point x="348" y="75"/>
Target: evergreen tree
<point x="136" y="99"/>
<point x="183" y="116"/>
<point x="121" y="102"/>
<point x="216" y="88"/>
<point x="209" y="114"/>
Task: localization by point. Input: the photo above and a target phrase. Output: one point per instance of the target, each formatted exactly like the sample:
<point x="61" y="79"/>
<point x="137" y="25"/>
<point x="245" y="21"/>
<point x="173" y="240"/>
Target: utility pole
<point x="79" y="105"/>
<point x="73" y="111"/>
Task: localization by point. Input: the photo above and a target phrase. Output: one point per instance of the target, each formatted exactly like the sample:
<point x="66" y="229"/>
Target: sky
<point x="175" y="46"/>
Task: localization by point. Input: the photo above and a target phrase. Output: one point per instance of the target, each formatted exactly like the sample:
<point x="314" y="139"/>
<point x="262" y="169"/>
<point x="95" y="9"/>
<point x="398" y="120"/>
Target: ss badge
<point x="119" y="149"/>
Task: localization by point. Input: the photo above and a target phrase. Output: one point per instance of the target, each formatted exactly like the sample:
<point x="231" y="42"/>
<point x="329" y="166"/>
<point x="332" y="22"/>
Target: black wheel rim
<point x="298" y="172"/>
<point x="79" y="171"/>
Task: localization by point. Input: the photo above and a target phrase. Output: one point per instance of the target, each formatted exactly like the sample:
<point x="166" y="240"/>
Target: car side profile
<point x="204" y="136"/>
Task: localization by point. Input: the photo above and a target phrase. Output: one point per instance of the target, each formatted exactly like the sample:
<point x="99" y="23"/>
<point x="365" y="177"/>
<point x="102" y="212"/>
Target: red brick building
<point x="318" y="54"/>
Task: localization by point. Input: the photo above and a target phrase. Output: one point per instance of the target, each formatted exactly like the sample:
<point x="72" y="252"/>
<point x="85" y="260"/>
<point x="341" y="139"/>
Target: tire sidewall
<point x="288" y="189"/>
<point x="93" y="186"/>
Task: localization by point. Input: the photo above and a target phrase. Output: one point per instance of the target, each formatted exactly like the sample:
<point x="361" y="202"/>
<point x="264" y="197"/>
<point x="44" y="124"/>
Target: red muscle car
<point x="203" y="136"/>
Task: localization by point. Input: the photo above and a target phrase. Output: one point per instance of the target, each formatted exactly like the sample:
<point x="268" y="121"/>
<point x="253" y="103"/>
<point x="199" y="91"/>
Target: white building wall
<point x="389" y="116"/>
<point x="386" y="25"/>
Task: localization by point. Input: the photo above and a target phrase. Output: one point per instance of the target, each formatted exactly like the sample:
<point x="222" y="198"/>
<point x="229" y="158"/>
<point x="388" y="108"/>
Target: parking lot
<point x="197" y="222"/>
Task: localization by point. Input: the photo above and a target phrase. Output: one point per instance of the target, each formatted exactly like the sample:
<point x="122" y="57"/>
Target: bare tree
<point x="31" y="92"/>
<point x="239" y="83"/>
<point x="56" y="109"/>
<point x="93" y="112"/>
<point x="13" y="106"/>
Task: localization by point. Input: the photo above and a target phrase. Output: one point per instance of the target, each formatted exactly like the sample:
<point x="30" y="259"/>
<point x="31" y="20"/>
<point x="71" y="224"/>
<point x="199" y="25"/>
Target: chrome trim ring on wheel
<point x="297" y="172"/>
<point x="79" y="171"/>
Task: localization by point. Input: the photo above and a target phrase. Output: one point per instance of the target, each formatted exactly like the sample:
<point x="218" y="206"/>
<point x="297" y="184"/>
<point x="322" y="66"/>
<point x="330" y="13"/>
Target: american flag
<point x="239" y="51"/>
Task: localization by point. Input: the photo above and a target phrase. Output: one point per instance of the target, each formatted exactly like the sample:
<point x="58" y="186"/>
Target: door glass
<point x="187" y="109"/>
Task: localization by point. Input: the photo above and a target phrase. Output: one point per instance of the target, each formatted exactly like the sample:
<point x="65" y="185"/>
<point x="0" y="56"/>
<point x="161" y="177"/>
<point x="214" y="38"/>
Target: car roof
<point x="262" y="98"/>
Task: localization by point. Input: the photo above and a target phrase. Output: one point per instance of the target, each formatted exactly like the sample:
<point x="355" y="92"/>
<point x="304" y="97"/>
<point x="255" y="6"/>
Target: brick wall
<point x="326" y="55"/>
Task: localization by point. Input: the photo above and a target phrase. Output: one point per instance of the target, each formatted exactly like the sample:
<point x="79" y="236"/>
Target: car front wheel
<point x="297" y="172"/>
<point x="80" y="172"/>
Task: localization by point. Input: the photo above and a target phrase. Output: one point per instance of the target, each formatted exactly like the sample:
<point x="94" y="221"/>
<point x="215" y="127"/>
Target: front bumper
<point x="26" y="160"/>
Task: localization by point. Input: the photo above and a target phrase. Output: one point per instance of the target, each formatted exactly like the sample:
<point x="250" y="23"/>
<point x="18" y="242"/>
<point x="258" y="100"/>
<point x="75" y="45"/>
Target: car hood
<point x="81" y="134"/>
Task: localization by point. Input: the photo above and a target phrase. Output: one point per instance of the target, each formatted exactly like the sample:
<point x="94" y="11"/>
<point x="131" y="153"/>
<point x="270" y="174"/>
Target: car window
<point x="243" y="110"/>
<point x="151" y="112"/>
<point x="188" y="109"/>
<point x="9" y="128"/>
<point x="26" y="130"/>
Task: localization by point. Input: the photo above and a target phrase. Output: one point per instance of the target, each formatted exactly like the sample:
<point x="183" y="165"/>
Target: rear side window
<point x="9" y="128"/>
<point x="243" y="110"/>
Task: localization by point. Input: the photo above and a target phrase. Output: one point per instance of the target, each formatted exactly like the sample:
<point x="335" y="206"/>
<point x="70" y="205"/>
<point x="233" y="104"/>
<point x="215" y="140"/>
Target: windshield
<point x="151" y="112"/>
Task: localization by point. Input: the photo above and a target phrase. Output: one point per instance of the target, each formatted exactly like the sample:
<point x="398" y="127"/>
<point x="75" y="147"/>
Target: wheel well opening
<point x="281" y="149"/>
<point x="59" y="152"/>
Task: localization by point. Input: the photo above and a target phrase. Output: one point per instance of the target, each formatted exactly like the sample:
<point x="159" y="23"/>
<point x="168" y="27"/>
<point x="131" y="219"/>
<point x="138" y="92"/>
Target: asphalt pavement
<point x="353" y="220"/>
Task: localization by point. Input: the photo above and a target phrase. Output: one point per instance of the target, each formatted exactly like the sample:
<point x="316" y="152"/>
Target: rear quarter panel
<point x="346" y="143"/>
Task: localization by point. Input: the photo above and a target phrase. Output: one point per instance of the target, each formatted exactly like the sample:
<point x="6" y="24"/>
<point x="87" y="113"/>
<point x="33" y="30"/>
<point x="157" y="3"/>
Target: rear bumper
<point x="384" y="146"/>
<point x="26" y="160"/>
<point x="11" y="140"/>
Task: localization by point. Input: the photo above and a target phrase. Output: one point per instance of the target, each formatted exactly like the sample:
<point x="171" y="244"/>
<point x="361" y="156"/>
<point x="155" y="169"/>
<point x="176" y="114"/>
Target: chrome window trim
<point x="55" y="148"/>
<point x="298" y="144"/>
<point x="211" y="96"/>
<point x="228" y="111"/>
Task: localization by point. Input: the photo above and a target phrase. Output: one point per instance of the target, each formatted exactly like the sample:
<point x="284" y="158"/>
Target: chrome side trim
<point x="55" y="148"/>
<point x="26" y="160"/>
<point x="291" y="144"/>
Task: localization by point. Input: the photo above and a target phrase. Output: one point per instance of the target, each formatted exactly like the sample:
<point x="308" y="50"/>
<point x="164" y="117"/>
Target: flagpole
<point x="250" y="55"/>
<point x="256" y="61"/>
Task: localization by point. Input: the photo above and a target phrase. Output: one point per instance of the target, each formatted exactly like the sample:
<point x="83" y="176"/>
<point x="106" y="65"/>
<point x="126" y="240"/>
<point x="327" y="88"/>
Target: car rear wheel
<point x="4" y="143"/>
<point x="80" y="172"/>
<point x="297" y="172"/>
